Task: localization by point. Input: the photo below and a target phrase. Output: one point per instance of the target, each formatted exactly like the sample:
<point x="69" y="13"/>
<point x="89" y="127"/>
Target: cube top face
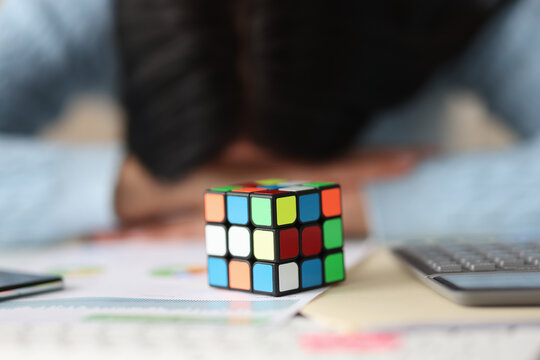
<point x="225" y="188"/>
<point x="277" y="203"/>
<point x="267" y="191"/>
<point x="246" y="190"/>
<point x="274" y="236"/>
<point x="296" y="188"/>
<point x="270" y="181"/>
<point x="293" y="183"/>
<point x="320" y="184"/>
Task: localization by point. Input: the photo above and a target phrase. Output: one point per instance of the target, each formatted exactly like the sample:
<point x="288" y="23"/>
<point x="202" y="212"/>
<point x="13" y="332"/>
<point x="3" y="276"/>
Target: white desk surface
<point x="156" y="337"/>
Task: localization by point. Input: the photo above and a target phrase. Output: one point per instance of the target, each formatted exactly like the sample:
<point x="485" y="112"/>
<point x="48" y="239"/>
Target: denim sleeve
<point x="49" y="191"/>
<point x="483" y="193"/>
<point x="51" y="50"/>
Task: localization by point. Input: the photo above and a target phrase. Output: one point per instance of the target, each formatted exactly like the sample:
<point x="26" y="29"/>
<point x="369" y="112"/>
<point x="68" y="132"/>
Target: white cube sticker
<point x="239" y="241"/>
<point x="288" y="276"/>
<point x="216" y="240"/>
<point x="293" y="183"/>
<point x="296" y="188"/>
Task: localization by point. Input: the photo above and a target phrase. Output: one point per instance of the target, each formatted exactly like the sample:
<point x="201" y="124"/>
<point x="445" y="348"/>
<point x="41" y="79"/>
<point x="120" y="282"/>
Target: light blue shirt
<point x="51" y="50"/>
<point x="482" y="193"/>
<point x="49" y="192"/>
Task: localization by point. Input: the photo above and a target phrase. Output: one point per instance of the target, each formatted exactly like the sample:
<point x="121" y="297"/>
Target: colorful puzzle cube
<point x="274" y="236"/>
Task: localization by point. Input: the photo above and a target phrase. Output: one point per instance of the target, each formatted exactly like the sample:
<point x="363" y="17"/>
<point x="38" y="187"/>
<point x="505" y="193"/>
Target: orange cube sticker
<point x="331" y="202"/>
<point x="214" y="207"/>
<point x="239" y="275"/>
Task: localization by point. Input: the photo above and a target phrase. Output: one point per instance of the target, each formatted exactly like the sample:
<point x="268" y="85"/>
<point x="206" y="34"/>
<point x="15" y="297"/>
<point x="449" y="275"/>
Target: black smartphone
<point x="16" y="284"/>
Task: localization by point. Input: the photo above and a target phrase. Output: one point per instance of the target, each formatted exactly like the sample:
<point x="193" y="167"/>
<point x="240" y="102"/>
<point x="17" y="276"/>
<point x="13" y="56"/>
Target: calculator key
<point x="535" y="262"/>
<point x="532" y="257"/>
<point x="479" y="257"/>
<point x="448" y="268"/>
<point x="473" y="259"/>
<point x="510" y="262"/>
<point x="481" y="266"/>
<point x="520" y="268"/>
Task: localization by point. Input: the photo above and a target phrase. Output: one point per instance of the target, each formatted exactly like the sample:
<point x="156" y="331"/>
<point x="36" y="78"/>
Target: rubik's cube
<point x="274" y="236"/>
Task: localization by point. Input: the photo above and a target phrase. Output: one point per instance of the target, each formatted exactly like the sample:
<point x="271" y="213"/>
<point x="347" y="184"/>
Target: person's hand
<point x="151" y="208"/>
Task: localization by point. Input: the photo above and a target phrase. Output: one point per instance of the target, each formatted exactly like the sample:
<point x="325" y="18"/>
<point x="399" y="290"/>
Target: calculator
<point x="477" y="273"/>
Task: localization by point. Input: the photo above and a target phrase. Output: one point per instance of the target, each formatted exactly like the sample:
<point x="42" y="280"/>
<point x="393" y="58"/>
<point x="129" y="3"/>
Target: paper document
<point x="142" y="282"/>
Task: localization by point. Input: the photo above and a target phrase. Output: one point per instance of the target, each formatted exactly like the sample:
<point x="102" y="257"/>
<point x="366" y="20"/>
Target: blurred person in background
<point x="218" y="92"/>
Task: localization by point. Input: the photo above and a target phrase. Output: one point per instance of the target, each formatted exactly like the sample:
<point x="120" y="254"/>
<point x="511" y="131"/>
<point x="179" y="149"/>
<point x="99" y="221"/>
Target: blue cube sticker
<point x="217" y="272"/>
<point x="311" y="273"/>
<point x="263" y="279"/>
<point x="309" y="207"/>
<point x="237" y="210"/>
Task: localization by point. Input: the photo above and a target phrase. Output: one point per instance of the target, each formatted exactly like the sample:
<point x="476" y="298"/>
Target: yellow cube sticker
<point x="270" y="181"/>
<point x="286" y="210"/>
<point x="263" y="244"/>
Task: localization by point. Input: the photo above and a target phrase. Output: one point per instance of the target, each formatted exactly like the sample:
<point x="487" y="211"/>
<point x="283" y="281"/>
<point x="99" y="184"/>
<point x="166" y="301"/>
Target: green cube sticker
<point x="319" y="184"/>
<point x="286" y="210"/>
<point x="334" y="268"/>
<point x="333" y="233"/>
<point x="261" y="211"/>
<point x="226" y="188"/>
<point x="270" y="181"/>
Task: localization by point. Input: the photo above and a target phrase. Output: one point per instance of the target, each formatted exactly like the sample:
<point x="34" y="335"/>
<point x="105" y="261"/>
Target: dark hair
<point x="316" y="70"/>
<point x="179" y="83"/>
